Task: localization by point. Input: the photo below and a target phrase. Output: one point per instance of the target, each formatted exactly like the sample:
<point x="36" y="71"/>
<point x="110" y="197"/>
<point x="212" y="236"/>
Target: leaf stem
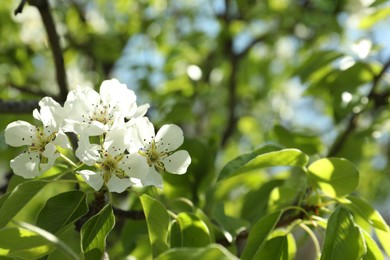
<point x="313" y="238"/>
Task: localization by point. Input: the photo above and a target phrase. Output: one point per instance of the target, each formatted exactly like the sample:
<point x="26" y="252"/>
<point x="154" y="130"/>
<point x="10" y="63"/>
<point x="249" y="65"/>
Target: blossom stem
<point x="68" y="160"/>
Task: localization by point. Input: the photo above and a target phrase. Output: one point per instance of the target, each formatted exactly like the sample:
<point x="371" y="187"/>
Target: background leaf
<point x="258" y="235"/>
<point x="286" y="157"/>
<point x="343" y="239"/>
<point x="194" y="232"/>
<point x="17" y="199"/>
<point x="94" y="233"/>
<point x="215" y="252"/>
<point x="23" y="244"/>
<point x="61" y="210"/>
<point x="334" y="176"/>
<point x="157" y="219"/>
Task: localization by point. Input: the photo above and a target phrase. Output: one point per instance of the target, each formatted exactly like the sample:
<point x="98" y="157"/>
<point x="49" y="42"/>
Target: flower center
<point x="153" y="156"/>
<point x="101" y="113"/>
<point x="40" y="140"/>
<point x="109" y="166"/>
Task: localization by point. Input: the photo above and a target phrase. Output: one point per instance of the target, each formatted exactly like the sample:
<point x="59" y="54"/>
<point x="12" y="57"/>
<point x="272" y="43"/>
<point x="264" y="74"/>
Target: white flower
<point x="41" y="141"/>
<point x="91" y="113"/>
<point x="158" y="150"/>
<point x="115" y="168"/>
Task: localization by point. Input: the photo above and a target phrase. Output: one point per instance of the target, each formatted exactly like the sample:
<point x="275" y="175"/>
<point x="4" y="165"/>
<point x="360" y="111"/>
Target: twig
<point x="352" y="122"/>
<point x="20" y="7"/>
<point x="48" y="22"/>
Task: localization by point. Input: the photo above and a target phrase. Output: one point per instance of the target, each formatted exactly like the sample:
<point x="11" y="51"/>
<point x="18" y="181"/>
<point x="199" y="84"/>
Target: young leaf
<point x="373" y="251"/>
<point x="334" y="176"/>
<point x="384" y="238"/>
<point x="259" y="233"/>
<point x="61" y="210"/>
<point x="157" y="219"/>
<point x="275" y="248"/>
<point x="20" y="243"/>
<point x="213" y="251"/>
<point x="194" y="232"/>
<point x="286" y="157"/>
<point x="17" y="199"/>
<point x="365" y="210"/>
<point x="343" y="239"/>
<point x="94" y="233"/>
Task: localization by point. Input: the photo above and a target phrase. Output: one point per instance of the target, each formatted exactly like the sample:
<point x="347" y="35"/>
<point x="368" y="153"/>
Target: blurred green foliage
<point x="235" y="75"/>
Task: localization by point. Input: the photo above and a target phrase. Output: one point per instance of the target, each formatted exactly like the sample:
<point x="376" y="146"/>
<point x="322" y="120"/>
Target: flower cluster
<point x="117" y="144"/>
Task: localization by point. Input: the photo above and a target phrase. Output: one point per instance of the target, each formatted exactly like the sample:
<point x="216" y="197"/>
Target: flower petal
<point x="19" y="133"/>
<point x="114" y="142"/>
<point x="141" y="110"/>
<point x="152" y="178"/>
<point x="144" y="131"/>
<point x="86" y="152"/>
<point x="118" y="185"/>
<point x="169" y="138"/>
<point x="93" y="179"/>
<point x="50" y="149"/>
<point x="117" y="94"/>
<point x="134" y="165"/>
<point x="26" y="165"/>
<point x="178" y="162"/>
<point x="62" y="140"/>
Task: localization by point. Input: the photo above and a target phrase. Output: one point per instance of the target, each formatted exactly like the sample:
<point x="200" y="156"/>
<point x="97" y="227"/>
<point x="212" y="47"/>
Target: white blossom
<point x="158" y="151"/>
<point x="114" y="166"/>
<point x="41" y="152"/>
<point x="90" y="113"/>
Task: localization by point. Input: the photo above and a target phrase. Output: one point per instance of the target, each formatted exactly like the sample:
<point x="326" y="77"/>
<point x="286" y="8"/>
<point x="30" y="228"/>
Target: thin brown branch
<point x="352" y="122"/>
<point x="17" y="107"/>
<point x="31" y="90"/>
<point x="48" y="22"/>
<point x="20" y="7"/>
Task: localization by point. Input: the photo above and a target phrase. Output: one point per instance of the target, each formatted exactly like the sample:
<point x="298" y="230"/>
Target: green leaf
<point x="240" y="161"/>
<point x="253" y="208"/>
<point x="194" y="232"/>
<point x="259" y="233"/>
<point x="157" y="219"/>
<point x="50" y="238"/>
<point x="286" y="157"/>
<point x="309" y="144"/>
<point x="94" y="233"/>
<point x="334" y="176"/>
<point x="365" y="210"/>
<point x="315" y="61"/>
<point x="373" y="251"/>
<point x="21" y="243"/>
<point x="275" y="248"/>
<point x="213" y="251"/>
<point x="372" y="18"/>
<point x="384" y="238"/>
<point x="61" y="210"/>
<point x="343" y="239"/>
<point x="18" y="198"/>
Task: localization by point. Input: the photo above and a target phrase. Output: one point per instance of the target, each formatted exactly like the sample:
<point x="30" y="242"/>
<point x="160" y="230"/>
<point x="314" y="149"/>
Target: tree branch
<point x="129" y="214"/>
<point x="352" y="122"/>
<point x="48" y="22"/>
<point x="31" y="90"/>
<point x="17" y="107"/>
